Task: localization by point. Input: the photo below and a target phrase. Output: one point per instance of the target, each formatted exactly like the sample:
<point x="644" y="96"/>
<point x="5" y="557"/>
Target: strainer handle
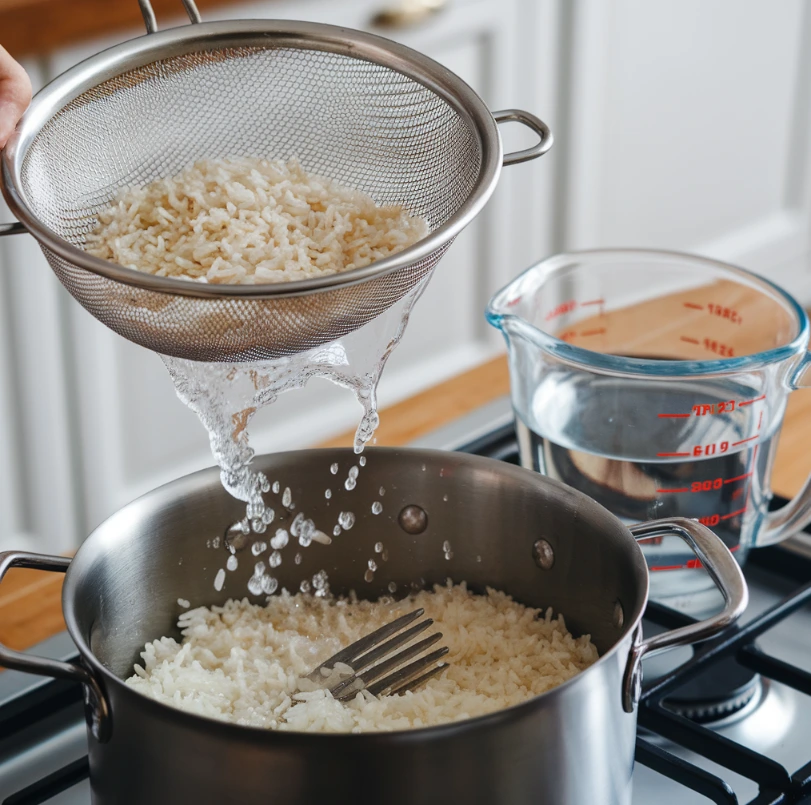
<point x="12" y="229"/>
<point x="151" y="22"/>
<point x="532" y="122"/>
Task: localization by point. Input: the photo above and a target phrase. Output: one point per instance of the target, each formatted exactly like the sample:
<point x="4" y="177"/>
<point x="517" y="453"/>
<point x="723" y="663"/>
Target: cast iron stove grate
<point x="776" y="784"/>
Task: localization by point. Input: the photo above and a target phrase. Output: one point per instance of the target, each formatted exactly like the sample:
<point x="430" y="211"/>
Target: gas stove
<point x="733" y="725"/>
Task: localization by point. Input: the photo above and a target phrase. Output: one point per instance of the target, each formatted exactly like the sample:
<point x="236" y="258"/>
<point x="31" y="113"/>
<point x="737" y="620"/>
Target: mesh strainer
<point x="360" y="109"/>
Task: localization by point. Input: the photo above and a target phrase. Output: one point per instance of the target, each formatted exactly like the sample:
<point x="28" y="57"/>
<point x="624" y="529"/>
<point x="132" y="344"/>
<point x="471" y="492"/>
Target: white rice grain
<point x="246" y="663"/>
<point x="249" y="221"/>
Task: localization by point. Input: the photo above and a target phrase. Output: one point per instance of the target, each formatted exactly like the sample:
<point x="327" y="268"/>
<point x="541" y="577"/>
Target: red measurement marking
<point x="568" y="335"/>
<point x="744" y="441"/>
<point x="667" y="567"/>
<point x="724" y="350"/>
<point x="689" y="340"/>
<point x="734" y="548"/>
<point x="710" y="520"/>
<point x="593" y="302"/>
<point x="739" y="477"/>
<point x="599" y="331"/>
<point x="706" y="486"/>
<point x="760" y="420"/>
<point x="668" y="455"/>
<point x="728" y="313"/>
<point x="514" y="302"/>
<point x="749" y="402"/>
<point x="710" y="449"/>
<point x="726" y="407"/>
<point x="738" y="492"/>
<point x="694" y="306"/>
<point x="674" y="416"/>
<point x="564" y="307"/>
<point x="735" y="513"/>
<point x="673" y="491"/>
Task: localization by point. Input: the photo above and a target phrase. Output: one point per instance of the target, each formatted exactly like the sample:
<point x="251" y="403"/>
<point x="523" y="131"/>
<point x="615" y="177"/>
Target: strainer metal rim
<point x="149" y="48"/>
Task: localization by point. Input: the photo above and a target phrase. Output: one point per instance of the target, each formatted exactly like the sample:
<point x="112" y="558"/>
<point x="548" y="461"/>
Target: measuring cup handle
<point x="97" y="710"/>
<point x="723" y="570"/>
<point x="151" y="22"/>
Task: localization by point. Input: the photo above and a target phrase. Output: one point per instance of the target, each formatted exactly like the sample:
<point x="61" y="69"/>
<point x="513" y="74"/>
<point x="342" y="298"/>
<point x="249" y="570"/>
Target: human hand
<point x="15" y="94"/>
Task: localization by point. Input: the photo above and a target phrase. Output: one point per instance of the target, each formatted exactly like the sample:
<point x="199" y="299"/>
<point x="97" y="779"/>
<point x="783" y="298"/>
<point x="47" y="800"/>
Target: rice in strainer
<point x="245" y="663"/>
<point x="249" y="221"/>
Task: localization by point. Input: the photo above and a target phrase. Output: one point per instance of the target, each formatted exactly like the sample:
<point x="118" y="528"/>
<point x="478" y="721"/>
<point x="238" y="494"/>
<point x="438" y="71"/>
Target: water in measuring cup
<point x="650" y="449"/>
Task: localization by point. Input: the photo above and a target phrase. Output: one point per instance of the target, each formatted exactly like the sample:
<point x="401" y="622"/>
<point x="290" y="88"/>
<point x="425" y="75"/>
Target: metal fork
<point x="388" y="676"/>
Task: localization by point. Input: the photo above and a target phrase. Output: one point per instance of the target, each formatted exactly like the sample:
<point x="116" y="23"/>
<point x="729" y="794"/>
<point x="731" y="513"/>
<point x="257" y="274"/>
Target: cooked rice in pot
<point x="245" y="663"/>
<point x="249" y="221"/>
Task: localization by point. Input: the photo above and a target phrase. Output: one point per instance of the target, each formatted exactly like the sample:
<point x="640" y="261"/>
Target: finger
<point x="15" y="94"/>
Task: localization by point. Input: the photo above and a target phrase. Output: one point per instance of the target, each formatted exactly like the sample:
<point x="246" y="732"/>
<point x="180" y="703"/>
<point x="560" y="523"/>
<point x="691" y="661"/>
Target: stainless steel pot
<point x="542" y="542"/>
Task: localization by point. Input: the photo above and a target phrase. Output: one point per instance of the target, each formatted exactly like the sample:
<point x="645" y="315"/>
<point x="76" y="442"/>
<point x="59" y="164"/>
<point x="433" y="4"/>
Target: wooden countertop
<point x="30" y="601"/>
<point x="38" y="27"/>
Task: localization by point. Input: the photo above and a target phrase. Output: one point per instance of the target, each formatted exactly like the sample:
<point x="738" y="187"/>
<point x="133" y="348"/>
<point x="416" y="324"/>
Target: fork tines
<point x="377" y="669"/>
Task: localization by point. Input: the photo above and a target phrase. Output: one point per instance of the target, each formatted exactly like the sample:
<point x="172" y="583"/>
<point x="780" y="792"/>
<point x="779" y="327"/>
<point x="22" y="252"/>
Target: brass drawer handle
<point x="408" y="13"/>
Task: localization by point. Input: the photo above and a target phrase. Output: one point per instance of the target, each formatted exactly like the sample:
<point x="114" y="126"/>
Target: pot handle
<point x="532" y="122"/>
<point x="96" y="710"/>
<point x="723" y="570"/>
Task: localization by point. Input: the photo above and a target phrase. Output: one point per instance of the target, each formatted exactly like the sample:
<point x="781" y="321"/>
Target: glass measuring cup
<point x="657" y="382"/>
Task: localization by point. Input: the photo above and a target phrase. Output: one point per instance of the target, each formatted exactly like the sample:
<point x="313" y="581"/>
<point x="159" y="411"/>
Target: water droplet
<point x="362" y="461"/>
<point x="446" y="546"/>
<point x="392" y="588"/>
<point x="320" y="580"/>
<point x="336" y="532"/>
<point x="215" y="543"/>
<point x="276" y="487"/>
<point x="258" y="548"/>
<point x="350" y="484"/>
<point x="369" y="575"/>
<point x="377" y="507"/>
<point x="280" y="540"/>
<point x="445" y="498"/>
<point x="334" y="468"/>
<point x="264" y="483"/>
<point x="275" y="559"/>
<point x="259" y="568"/>
<point x="449" y="554"/>
<point x="424" y="468"/>
<point x="232" y="563"/>
<point x="255" y="585"/>
<point x="258" y="526"/>
<point x="296" y="524"/>
<point x="381" y="491"/>
<point x="267" y="516"/>
<point x="372" y="564"/>
<point x="219" y="580"/>
<point x="269" y="585"/>
<point x="478" y="558"/>
<point x="304" y="586"/>
<point x="287" y="497"/>
<point x="327" y="493"/>
<point x="297" y="559"/>
<point x="378" y="547"/>
<point x="385" y="556"/>
<point x="346" y="520"/>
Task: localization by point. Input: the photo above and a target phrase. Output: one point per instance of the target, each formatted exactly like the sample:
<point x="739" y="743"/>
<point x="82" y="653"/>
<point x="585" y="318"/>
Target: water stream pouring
<point x="656" y="383"/>
<point x="363" y="110"/>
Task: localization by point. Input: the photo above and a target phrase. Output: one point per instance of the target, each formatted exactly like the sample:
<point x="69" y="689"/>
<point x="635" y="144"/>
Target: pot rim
<point x="436" y="732"/>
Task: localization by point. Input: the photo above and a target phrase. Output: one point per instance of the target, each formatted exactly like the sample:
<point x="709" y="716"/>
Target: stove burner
<point x="723" y="690"/>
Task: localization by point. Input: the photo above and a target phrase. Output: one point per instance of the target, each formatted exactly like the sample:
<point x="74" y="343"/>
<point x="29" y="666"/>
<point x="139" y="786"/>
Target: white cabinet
<point x="689" y="129"/>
